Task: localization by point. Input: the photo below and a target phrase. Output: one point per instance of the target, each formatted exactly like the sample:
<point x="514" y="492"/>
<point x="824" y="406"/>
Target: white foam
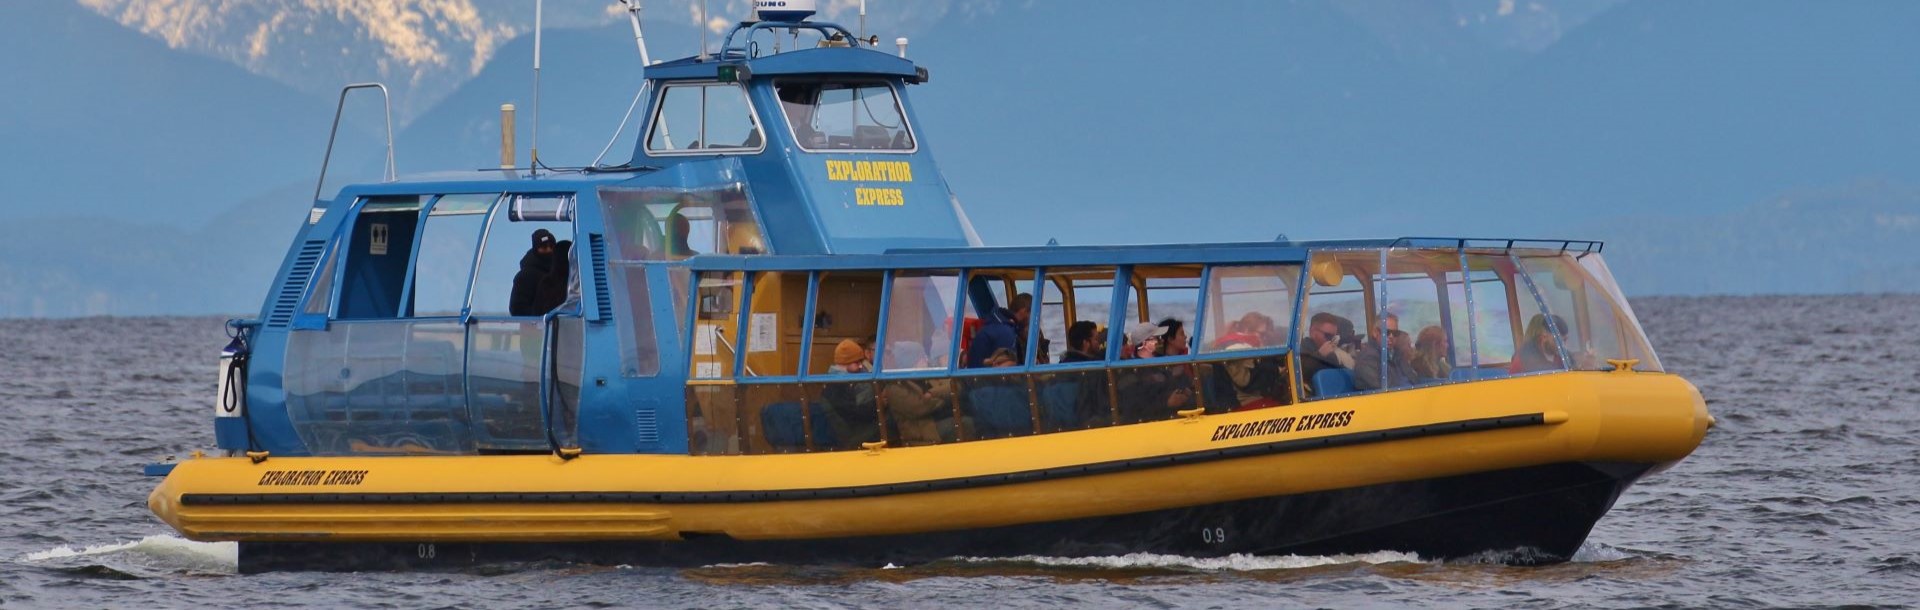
<point x="160" y="550"/>
<point x="1235" y="562"/>
<point x="1591" y="551"/>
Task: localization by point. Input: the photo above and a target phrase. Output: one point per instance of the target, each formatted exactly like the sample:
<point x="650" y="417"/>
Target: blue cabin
<point x="780" y="267"/>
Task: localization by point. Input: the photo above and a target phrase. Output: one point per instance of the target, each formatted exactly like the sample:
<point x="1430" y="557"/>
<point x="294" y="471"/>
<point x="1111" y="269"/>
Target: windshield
<point x="845" y="116"/>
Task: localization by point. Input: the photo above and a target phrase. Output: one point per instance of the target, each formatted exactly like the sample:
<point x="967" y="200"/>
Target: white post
<point x="902" y="41"/>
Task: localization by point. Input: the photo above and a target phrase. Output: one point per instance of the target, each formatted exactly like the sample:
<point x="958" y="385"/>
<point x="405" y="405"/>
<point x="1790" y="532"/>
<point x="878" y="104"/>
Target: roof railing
<point x="340" y="106"/>
<point x="1579" y="246"/>
<point x="746" y="48"/>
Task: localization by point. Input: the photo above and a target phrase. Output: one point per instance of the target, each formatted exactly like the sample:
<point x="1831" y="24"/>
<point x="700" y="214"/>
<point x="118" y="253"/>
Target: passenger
<point x="916" y="405"/>
<point x="1538" y="351"/>
<point x="679" y="230"/>
<point x="1176" y="343"/>
<point x="850" y="406"/>
<point x="1150" y="393"/>
<point x="995" y="333"/>
<point x="1391" y="321"/>
<point x="1430" y="355"/>
<point x="524" y="300"/>
<point x="1082" y="345"/>
<point x="1022" y="309"/>
<point x="1251" y="330"/>
<point x="1349" y="339"/>
<point x="1320" y="348"/>
<point x="1399" y="363"/>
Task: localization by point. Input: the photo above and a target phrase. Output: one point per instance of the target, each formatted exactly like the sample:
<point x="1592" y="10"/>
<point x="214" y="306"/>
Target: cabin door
<point x="525" y="270"/>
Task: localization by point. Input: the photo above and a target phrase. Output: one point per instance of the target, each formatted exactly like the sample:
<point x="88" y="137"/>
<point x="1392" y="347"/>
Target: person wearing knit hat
<point x="848" y="357"/>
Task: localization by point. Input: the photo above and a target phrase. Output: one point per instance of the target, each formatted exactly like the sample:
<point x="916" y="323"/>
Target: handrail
<point x="340" y="107"/>
<point x="727" y="49"/>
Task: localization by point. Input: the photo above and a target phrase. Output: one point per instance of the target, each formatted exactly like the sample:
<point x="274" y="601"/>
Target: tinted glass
<point x="704" y="117"/>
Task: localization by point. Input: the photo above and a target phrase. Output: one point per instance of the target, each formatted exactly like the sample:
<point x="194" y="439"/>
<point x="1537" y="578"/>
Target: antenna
<point x="640" y="40"/>
<point x="533" y="155"/>
<point x="863" y="18"/>
<point x="703" y="30"/>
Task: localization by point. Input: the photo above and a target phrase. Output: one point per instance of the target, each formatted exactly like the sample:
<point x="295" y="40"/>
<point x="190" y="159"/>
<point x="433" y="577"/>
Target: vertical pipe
<point x="506" y="136"/>
<point x="533" y="154"/>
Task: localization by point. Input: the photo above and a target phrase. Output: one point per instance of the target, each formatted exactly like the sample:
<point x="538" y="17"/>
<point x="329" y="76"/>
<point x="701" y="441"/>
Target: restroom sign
<point x="377" y="245"/>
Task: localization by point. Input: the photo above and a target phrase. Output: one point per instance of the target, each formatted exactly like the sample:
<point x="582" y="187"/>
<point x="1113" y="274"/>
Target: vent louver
<point x="646" y="426"/>
<point x="597" y="244"/>
<point x="288" y="300"/>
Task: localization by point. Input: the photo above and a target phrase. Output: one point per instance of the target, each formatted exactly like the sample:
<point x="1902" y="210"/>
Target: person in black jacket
<point x="535" y="266"/>
<point x="552" y="292"/>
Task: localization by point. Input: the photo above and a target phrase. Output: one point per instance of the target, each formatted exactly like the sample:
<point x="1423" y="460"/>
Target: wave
<point x="1231" y="563"/>
<point x="157" y="551"/>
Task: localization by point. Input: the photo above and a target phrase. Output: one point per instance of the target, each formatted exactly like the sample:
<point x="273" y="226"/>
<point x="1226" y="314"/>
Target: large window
<point x="655" y="224"/>
<point x="704" y="118"/>
<point x="845" y="116"/>
<point x="447" y="248"/>
<point x="526" y="266"/>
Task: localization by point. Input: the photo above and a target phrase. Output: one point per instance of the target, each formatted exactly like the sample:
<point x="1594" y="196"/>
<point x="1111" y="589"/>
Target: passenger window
<point x="674" y="224"/>
<point x="1336" y="321"/>
<point x="320" y="296"/>
<point x="1073" y="333"/>
<point x="1582" y="308"/>
<point x="704" y="118"/>
<point x="639" y="353"/>
<point x="1495" y="303"/>
<point x="999" y="327"/>
<point x="527" y="264"/>
<point x="1411" y="346"/>
<point x="1632" y="341"/>
<point x="1172" y="296"/>
<point x="447" y="249"/>
<point x="714" y="333"/>
<point x="846" y="316"/>
<point x="920" y="320"/>
<point x="1249" y="307"/>
<point x="772" y="338"/>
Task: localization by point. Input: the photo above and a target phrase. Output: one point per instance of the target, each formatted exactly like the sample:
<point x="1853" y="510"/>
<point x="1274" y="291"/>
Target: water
<point x="1807" y="494"/>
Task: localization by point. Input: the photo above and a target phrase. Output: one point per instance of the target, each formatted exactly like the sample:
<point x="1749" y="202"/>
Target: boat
<point x="773" y="335"/>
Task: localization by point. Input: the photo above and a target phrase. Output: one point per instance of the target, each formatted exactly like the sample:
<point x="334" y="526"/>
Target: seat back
<point x="1000" y="410"/>
<point x="1329" y="383"/>
<point x="1061" y="402"/>
<point x="785" y="429"/>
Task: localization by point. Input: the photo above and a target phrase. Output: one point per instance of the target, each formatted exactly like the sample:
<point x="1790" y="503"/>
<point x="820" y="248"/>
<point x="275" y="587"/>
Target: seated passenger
<point x="1081" y="343"/>
<point x="916" y="405"/>
<point x="1150" y="393"/>
<point x="1430" y="355"/>
<point x="1249" y="332"/>
<point x="679" y="229"/>
<point x="1021" y="312"/>
<point x="850" y="405"/>
<point x="1538" y="350"/>
<point x="1399" y="363"/>
<point x="1176" y="340"/>
<point x="995" y="333"/>
<point x="1320" y="348"/>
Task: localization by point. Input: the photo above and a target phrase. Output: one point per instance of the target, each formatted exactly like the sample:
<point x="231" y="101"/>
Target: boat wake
<point x="160" y="552"/>
<point x="1229" y="563"/>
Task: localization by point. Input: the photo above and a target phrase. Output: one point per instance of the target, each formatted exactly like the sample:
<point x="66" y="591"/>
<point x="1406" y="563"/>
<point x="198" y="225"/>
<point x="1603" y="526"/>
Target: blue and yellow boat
<point x="774" y="336"/>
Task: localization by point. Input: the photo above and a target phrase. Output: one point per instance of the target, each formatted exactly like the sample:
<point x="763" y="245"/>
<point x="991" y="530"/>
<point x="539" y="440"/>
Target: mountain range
<point x="1720" y="147"/>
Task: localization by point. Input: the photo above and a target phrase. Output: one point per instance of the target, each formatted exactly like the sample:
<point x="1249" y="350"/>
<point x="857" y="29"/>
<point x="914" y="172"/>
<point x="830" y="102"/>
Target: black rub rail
<point x="867" y="491"/>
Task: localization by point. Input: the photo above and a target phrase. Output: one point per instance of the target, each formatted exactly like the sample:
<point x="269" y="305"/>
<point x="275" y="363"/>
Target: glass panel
<point x="525" y="266"/>
<point x="844" y="116"/>
<point x="639" y="353"/>
<point x="1249" y="307"/>
<point x="1074" y="400"/>
<point x="853" y="413"/>
<point x="1154" y="393"/>
<point x="673" y="224"/>
<point x="1172" y="295"/>
<point x="1582" y="309"/>
<point x="1411" y="304"/>
<point x="1499" y="307"/>
<point x="1245" y="383"/>
<point x="380" y="388"/>
<point x="320" y="297"/>
<point x="996" y="406"/>
<point x="704" y="117"/>
<point x="773" y="328"/>
<point x="920" y="320"/>
<point x="714" y="331"/>
<point x="1000" y="336"/>
<point x="1080" y="339"/>
<point x="569" y="368"/>
<point x="713" y="420"/>
<point x="447" y="249"/>
<point x="1633" y="340"/>
<point x="503" y="384"/>
<point x="845" y="320"/>
<point x="919" y="411"/>
<point x="1337" y="307"/>
<point x="772" y="420"/>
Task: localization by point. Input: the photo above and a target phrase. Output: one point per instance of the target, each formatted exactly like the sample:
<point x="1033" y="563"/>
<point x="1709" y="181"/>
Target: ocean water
<point x="1807" y="494"/>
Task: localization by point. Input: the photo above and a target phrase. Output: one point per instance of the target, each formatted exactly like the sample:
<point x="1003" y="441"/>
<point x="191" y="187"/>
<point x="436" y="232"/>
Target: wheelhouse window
<point x="704" y="118"/>
<point x="660" y="224"/>
<point x="835" y="116"/>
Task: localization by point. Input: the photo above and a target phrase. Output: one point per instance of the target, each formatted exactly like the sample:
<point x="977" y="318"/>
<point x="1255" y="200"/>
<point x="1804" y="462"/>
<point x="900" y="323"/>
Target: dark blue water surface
<point x="1807" y="494"/>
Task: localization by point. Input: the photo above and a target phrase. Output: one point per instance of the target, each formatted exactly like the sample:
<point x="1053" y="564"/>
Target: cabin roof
<point x="494" y="181"/>
<point x="823" y="60"/>
<point x="1140" y="254"/>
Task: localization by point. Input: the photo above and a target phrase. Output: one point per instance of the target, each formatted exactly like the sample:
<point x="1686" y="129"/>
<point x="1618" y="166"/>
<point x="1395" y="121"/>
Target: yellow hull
<point x="1411" y="435"/>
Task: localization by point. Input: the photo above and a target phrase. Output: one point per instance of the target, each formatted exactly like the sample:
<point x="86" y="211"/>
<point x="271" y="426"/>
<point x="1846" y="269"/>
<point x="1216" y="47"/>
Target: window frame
<point x="899" y="104"/>
<point x="659" y="106"/>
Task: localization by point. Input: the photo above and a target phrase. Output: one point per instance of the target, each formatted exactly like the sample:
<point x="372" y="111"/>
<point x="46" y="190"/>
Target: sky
<point x="1702" y="140"/>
